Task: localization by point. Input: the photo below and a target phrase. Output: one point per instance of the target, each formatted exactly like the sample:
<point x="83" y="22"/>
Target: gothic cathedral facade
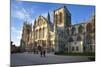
<point x="59" y="35"/>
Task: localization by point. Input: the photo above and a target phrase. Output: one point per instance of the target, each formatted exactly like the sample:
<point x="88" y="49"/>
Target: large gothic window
<point x="89" y="28"/>
<point x="43" y="32"/>
<point x="60" y="18"/>
<point x="40" y="32"/>
<point x="39" y="22"/>
<point x="73" y="30"/>
<point x="28" y="31"/>
<point x="80" y="29"/>
<point x="79" y="38"/>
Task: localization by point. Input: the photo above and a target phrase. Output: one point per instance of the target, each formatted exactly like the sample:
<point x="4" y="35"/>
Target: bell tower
<point x="62" y="17"/>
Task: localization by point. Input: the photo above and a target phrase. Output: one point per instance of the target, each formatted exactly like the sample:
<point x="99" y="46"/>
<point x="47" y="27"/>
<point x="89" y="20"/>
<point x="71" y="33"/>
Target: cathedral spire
<point x="48" y="17"/>
<point x="34" y="20"/>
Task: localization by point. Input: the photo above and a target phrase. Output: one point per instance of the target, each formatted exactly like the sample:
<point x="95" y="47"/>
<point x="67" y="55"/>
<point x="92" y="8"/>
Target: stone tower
<point x="62" y="19"/>
<point x="26" y="33"/>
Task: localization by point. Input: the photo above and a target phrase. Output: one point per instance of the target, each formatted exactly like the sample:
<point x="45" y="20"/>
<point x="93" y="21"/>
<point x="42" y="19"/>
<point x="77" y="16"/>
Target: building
<point x="81" y="37"/>
<point x="59" y="35"/>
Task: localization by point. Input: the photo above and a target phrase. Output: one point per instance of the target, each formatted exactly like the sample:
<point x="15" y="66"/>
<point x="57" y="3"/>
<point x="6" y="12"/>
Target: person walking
<point x="44" y="52"/>
<point x="40" y="50"/>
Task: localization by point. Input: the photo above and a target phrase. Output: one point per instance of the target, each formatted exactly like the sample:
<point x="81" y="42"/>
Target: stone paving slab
<point x="24" y="59"/>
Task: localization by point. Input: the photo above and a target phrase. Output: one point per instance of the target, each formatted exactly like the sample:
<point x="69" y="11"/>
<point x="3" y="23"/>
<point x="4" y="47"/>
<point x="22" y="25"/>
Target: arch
<point x="43" y="32"/>
<point x="79" y="38"/>
<point x="70" y="39"/>
<point x="88" y="39"/>
<point x="73" y="30"/>
<point x="37" y="34"/>
<point x="28" y="31"/>
<point x="89" y="27"/>
<point x="60" y="18"/>
<point x="40" y="32"/>
<point x="80" y="29"/>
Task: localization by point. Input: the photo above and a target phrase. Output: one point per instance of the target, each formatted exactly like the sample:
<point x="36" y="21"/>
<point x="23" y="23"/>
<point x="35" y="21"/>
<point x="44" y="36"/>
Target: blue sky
<point x="22" y="11"/>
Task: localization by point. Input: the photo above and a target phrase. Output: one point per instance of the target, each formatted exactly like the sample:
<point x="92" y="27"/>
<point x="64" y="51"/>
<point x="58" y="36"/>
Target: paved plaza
<point x="21" y="59"/>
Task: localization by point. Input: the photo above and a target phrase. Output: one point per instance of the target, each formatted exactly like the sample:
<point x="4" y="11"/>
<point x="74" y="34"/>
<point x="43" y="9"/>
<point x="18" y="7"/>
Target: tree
<point x="11" y="42"/>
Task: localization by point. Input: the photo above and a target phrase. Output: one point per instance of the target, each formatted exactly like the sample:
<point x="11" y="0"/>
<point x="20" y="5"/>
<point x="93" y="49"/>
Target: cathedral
<point x="59" y="35"/>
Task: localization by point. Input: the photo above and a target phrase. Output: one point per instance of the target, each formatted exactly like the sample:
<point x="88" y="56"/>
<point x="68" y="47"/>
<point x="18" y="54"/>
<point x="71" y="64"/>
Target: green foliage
<point x="75" y="54"/>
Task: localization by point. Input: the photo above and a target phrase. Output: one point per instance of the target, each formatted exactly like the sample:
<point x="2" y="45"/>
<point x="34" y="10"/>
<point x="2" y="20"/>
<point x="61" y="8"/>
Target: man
<point x="44" y="52"/>
<point x="40" y="50"/>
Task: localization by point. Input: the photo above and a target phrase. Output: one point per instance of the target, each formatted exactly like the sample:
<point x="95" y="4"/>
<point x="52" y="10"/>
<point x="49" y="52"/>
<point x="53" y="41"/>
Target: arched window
<point x="77" y="48"/>
<point x="89" y="28"/>
<point x="80" y="29"/>
<point x="88" y="39"/>
<point x="72" y="48"/>
<point x="79" y="38"/>
<point x="73" y="30"/>
<point x="37" y="33"/>
<point x="43" y="32"/>
<point x="40" y="33"/>
<point x="70" y="39"/>
<point x="60" y="18"/>
<point x="28" y="31"/>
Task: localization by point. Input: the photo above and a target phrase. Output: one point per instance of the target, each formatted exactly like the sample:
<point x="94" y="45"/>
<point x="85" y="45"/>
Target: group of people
<point x="42" y="51"/>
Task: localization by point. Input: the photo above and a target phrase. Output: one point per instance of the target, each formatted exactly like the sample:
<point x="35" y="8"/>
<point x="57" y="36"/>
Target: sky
<point x="28" y="11"/>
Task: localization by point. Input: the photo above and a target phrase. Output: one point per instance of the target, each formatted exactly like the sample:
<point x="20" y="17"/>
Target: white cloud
<point x="22" y="14"/>
<point x="16" y="35"/>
